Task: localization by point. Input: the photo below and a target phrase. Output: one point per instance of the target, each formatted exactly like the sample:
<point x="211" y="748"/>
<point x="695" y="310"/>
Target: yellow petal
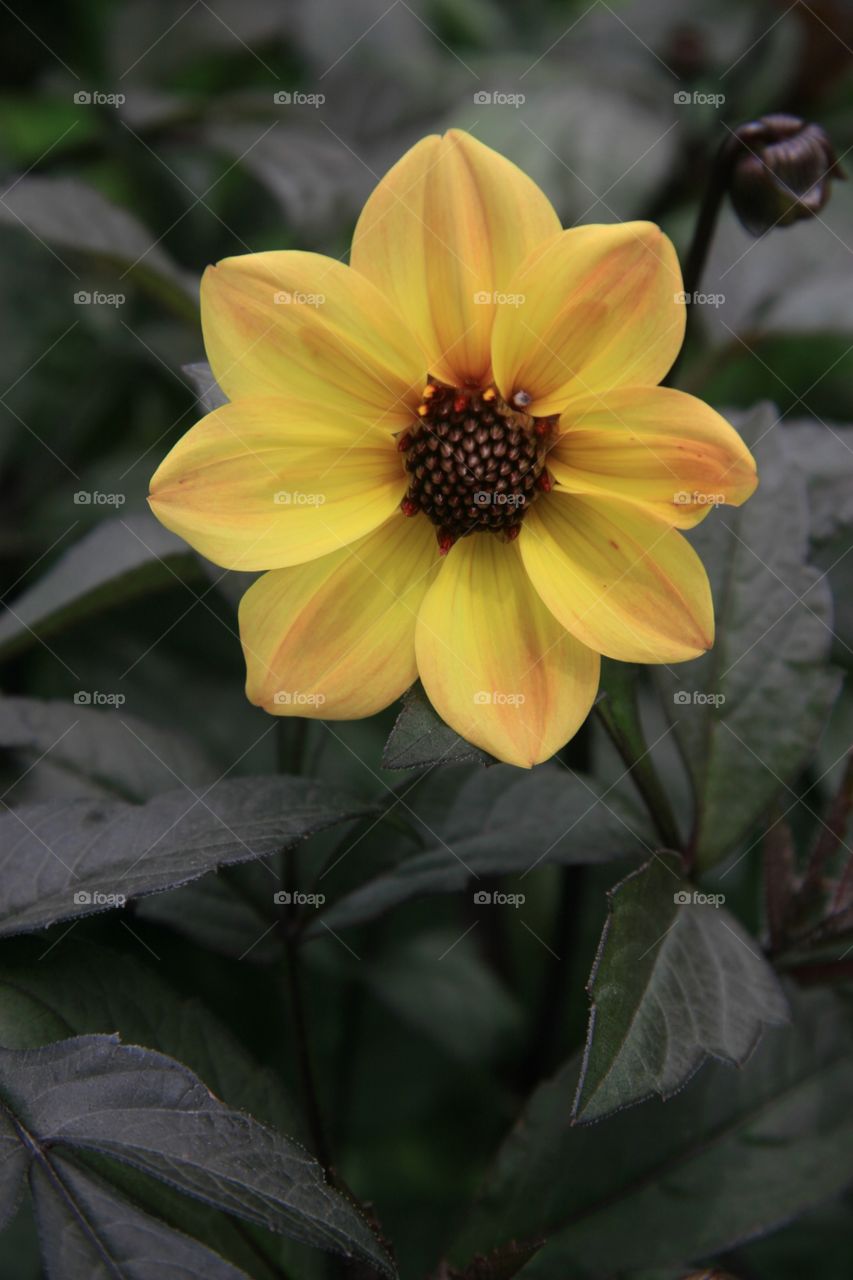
<point x="442" y="235"/>
<point x="618" y="579"/>
<point x="302" y="325"/>
<point x="336" y="638"/>
<point x="496" y="665"/>
<point x="263" y="483"/>
<point x="602" y="308"/>
<point x="660" y="449"/>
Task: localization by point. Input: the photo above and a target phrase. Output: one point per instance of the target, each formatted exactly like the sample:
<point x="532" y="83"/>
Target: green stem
<point x="619" y="713"/>
<point x="291" y="736"/>
<point x="310" y="1096"/>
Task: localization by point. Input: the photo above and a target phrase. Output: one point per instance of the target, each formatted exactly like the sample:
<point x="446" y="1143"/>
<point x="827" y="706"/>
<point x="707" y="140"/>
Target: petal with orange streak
<point x="618" y="579"/>
<point x="656" y="448"/>
<point x="336" y="637"/>
<point x="442" y="236"/>
<point x="600" y="307"/>
<point x="495" y="663"/>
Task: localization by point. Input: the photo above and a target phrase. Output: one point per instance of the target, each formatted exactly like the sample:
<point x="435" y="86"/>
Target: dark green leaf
<point x="92" y="1095"/>
<point x="88" y="1232"/>
<point x="72" y="858"/>
<point x="107" y="750"/>
<point x="213" y="914"/>
<point x="117" y="561"/>
<point x="71" y="215"/>
<point x="420" y="738"/>
<point x="80" y="988"/>
<point x="676" y="980"/>
<point x="445" y="989"/>
<point x="503" y="822"/>
<point x="748" y="713"/>
<point x="732" y="1156"/>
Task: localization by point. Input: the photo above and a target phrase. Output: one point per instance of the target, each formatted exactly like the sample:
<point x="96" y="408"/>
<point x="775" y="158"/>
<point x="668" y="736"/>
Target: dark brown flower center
<point x="475" y="462"/>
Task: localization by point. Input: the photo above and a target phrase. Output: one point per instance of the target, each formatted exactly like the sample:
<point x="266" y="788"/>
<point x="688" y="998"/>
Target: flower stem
<point x="304" y="1061"/>
<point x="709" y="211"/>
<point x="619" y="713"/>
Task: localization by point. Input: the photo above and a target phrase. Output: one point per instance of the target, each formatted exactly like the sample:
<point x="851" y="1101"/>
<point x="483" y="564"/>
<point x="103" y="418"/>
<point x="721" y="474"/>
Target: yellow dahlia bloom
<point x="453" y="459"/>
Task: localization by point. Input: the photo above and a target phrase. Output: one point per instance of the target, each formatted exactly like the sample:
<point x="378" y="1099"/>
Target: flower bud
<point x="781" y="172"/>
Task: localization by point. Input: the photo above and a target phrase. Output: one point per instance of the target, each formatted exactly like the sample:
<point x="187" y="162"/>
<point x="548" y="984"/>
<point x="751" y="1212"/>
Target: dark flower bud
<point x="781" y="171"/>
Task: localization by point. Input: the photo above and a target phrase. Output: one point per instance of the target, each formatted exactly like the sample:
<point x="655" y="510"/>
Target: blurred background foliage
<point x="422" y="1068"/>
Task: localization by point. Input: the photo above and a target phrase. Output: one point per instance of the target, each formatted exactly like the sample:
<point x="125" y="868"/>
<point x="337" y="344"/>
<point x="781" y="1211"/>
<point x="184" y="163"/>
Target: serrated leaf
<point x="420" y="738"/>
<point x="87" y="1232"/>
<point x="71" y="858"/>
<point x="748" y="713"/>
<point x="503" y="822"/>
<point x="71" y="215"/>
<point x="117" y="561"/>
<point x="108" y="750"/>
<point x="93" y="1095"/>
<point x="676" y="980"/>
<point x="760" y="1144"/>
<point x="83" y="988"/>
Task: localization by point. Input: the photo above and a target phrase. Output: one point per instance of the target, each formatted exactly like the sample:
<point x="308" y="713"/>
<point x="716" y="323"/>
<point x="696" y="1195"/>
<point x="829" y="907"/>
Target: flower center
<point x="475" y="462"/>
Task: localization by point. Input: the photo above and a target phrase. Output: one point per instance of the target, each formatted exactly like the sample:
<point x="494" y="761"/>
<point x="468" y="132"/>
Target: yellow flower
<point x="453" y="458"/>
